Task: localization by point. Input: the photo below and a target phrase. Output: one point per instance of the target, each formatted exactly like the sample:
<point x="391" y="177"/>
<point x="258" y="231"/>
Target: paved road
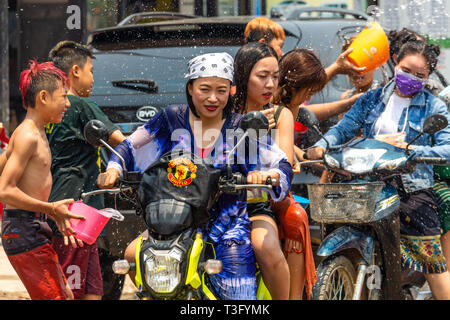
<point x="11" y="288"/>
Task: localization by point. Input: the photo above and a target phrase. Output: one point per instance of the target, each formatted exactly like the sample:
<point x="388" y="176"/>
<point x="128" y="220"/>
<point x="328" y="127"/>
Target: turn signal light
<point x="213" y="266"/>
<point x="121" y="266"/>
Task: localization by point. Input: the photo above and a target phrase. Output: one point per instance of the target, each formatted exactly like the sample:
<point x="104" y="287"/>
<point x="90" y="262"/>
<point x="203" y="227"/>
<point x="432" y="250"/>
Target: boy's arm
<point x="116" y="138"/>
<point x="2" y="161"/>
<point x="11" y="195"/>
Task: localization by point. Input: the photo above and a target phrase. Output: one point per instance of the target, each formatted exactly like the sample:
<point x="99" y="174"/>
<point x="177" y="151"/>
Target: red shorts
<point x="40" y="273"/>
<point x="81" y="267"/>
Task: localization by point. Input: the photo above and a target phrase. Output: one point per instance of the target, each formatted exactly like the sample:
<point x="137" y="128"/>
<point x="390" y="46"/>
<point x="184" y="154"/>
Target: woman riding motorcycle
<point x="206" y="127"/>
<point x="395" y="114"/>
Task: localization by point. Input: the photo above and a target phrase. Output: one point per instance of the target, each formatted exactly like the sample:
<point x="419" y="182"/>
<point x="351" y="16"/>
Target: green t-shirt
<point x="75" y="163"/>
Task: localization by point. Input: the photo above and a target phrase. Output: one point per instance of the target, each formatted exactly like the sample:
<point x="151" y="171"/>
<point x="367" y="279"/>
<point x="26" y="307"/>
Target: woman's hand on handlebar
<point x="315" y="153"/>
<point x="107" y="179"/>
<point x="260" y="177"/>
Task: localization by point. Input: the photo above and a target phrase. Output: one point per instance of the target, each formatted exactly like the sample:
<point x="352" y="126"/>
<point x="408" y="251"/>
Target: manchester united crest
<point x="181" y="172"/>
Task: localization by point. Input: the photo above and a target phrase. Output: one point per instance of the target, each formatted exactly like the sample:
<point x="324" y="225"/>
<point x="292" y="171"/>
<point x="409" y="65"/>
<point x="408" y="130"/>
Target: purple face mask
<point x="408" y="84"/>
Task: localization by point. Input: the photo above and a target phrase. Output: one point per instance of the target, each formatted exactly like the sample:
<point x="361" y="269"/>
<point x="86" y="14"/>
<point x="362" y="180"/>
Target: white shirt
<point x="387" y="123"/>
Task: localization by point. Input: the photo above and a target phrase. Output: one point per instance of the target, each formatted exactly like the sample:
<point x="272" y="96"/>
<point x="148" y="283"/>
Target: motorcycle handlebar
<point x="431" y="160"/>
<point x="102" y="191"/>
<point x="253" y="186"/>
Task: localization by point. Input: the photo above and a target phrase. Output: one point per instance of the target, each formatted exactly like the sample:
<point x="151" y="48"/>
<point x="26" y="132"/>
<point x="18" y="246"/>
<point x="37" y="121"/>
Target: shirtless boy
<point x="26" y="182"/>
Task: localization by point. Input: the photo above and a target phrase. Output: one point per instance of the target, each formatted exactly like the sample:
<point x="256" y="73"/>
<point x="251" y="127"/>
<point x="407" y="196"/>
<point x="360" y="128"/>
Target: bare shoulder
<point x="24" y="137"/>
<point x="285" y="119"/>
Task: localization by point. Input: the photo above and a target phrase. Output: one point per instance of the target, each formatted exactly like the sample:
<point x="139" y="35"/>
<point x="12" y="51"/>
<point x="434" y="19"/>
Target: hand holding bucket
<point x="89" y="229"/>
<point x="370" y="48"/>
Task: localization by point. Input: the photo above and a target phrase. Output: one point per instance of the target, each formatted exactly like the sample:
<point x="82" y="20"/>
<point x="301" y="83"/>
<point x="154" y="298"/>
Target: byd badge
<point x="145" y="113"/>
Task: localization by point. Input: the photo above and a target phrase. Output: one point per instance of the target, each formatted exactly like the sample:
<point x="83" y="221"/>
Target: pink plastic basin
<point x="89" y="229"/>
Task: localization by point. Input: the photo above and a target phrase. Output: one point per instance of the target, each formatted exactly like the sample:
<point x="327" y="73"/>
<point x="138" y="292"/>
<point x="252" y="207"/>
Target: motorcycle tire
<point x="112" y="283"/>
<point x="335" y="279"/>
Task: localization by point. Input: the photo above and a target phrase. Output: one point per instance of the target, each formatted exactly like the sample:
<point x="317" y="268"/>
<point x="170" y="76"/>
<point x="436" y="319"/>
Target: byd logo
<point x="145" y="113"/>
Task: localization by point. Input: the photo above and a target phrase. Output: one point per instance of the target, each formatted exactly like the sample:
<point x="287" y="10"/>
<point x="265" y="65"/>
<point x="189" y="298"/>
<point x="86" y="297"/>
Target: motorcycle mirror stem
<point x="431" y="125"/>
<point x="231" y="153"/>
<point x="252" y="120"/>
<point x="309" y="119"/>
<point x="96" y="134"/>
<point x="107" y="146"/>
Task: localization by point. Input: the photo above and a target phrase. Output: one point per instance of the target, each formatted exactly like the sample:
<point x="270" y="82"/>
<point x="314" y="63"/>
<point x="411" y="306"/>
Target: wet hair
<point x="299" y="69"/>
<point x="399" y="38"/>
<point x="429" y="51"/>
<point x="38" y="77"/>
<point x="259" y="34"/>
<point x="263" y="24"/>
<point x="69" y="53"/>
<point x="226" y="111"/>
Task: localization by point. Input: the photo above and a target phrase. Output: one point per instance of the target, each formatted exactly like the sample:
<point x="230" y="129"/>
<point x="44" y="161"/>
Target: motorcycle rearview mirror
<point x="96" y="134"/>
<point x="253" y="121"/>
<point x="307" y="118"/>
<point x="431" y="125"/>
<point x="434" y="123"/>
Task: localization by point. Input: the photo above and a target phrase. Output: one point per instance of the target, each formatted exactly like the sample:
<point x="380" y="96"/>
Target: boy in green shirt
<point x="75" y="163"/>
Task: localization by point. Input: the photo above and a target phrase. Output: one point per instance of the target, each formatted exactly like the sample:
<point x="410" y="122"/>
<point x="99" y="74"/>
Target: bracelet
<point x="53" y="208"/>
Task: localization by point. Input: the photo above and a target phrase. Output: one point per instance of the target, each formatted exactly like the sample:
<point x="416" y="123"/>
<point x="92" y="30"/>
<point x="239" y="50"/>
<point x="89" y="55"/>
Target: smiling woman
<point x="186" y="128"/>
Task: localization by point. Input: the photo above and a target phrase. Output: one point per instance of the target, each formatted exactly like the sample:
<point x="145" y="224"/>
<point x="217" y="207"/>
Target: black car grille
<point x="122" y="114"/>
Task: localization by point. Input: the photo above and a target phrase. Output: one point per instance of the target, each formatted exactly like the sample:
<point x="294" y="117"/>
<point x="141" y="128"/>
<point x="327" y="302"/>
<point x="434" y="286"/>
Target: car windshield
<point x="164" y="65"/>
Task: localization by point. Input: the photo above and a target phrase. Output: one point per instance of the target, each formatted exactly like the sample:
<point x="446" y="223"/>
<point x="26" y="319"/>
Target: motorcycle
<point x="360" y="225"/>
<point x="176" y="259"/>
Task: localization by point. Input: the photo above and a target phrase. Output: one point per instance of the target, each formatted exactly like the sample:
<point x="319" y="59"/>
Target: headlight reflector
<point x="162" y="269"/>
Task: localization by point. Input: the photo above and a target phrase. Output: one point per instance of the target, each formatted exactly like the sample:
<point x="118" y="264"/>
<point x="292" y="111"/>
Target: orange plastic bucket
<point x="370" y="47"/>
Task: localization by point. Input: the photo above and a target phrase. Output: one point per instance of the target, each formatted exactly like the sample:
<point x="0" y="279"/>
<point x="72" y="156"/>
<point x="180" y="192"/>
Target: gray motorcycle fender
<point x="347" y="237"/>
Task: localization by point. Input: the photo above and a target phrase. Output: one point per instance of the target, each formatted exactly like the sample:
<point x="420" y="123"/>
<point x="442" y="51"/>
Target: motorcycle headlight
<point x="162" y="269"/>
<point x="330" y="161"/>
<point x="360" y="160"/>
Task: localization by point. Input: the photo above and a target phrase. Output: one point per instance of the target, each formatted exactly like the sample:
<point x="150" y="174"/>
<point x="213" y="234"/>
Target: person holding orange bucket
<point x="370" y="49"/>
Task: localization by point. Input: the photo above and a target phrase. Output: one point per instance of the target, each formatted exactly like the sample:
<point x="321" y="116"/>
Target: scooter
<point x="173" y="196"/>
<point x="359" y="219"/>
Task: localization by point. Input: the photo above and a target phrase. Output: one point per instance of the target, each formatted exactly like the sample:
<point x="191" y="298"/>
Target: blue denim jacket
<point x="367" y="109"/>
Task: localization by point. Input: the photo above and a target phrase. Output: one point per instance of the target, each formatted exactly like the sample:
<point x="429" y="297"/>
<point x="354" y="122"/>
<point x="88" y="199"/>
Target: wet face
<point x="262" y="83"/>
<point x="57" y="104"/>
<point x="85" y="80"/>
<point x="414" y="64"/>
<point x="210" y="96"/>
<point x="361" y="80"/>
<point x="277" y="45"/>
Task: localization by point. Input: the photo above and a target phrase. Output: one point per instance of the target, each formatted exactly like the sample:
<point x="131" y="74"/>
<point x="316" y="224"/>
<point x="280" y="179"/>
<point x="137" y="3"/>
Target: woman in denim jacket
<point x="395" y="113"/>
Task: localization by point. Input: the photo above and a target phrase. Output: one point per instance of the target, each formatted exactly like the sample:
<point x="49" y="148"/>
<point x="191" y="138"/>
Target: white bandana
<point x="211" y="65"/>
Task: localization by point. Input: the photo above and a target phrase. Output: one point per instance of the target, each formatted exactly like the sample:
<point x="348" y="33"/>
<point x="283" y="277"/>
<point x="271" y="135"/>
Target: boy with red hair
<point x="26" y="182"/>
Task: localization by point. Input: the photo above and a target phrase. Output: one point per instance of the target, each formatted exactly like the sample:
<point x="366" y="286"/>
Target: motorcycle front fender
<point x="344" y="238"/>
